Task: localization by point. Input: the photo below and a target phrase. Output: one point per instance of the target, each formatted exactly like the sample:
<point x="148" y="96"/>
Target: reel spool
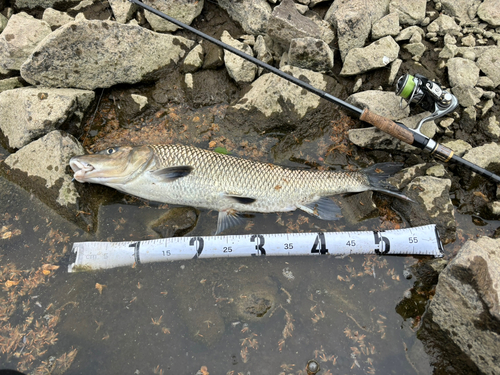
<point x="429" y="95"/>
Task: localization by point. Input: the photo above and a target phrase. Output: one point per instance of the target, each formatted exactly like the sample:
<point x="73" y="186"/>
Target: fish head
<point x="114" y="165"/>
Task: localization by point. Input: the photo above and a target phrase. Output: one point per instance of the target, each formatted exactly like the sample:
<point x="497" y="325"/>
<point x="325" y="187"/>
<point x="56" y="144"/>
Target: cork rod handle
<point x="387" y="126"/>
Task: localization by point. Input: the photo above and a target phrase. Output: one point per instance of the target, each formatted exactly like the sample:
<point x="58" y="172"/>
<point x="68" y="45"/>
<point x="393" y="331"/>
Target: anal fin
<point x="323" y="208"/>
<point x="227" y="219"/>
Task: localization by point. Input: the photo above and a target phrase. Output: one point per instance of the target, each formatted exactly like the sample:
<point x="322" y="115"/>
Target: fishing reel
<point x="426" y="93"/>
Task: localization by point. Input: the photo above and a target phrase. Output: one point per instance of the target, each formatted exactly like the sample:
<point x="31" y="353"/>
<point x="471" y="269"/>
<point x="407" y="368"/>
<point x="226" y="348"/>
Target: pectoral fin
<point x="324" y="208"/>
<point x="227" y="219"/>
<point x="172" y="173"/>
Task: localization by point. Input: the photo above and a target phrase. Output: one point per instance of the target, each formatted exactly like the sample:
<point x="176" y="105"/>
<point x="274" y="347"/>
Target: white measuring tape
<point x="422" y="240"/>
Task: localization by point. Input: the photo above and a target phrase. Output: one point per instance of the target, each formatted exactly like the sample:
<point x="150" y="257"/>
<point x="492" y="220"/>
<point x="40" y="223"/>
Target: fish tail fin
<point x="378" y="175"/>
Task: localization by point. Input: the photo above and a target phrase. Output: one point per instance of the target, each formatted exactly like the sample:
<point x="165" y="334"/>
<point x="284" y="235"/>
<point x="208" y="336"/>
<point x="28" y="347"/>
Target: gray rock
<point x="28" y="113"/>
<point x="436" y="171"/>
<point x="444" y="25"/>
<point x="262" y="51"/>
<point x="469" y="41"/>
<point x="494" y="208"/>
<point x="184" y="11"/>
<point x="141" y="101"/>
<point x="11" y="83"/>
<point x="193" y="60"/>
<point x="458" y="146"/>
<point x="409" y="33"/>
<point x="310" y="53"/>
<point x="489" y="11"/>
<point x="253" y="15"/>
<point x="44" y="4"/>
<point x="55" y="18"/>
<point x="462" y="72"/>
<point x="466" y="304"/>
<point x="486" y="156"/>
<point x="415" y="49"/>
<point x="95" y="54"/>
<point x="383" y="103"/>
<point x="410" y="12"/>
<point x="401" y="179"/>
<point x="124" y="9"/>
<point x="377" y="55"/>
<point x="433" y="205"/>
<point x="491" y="128"/>
<point x="459" y="8"/>
<point x="269" y="92"/>
<point x="448" y="52"/>
<point x="395" y="65"/>
<point x="19" y="38"/>
<point x="239" y="69"/>
<point x="214" y="56"/>
<point x="350" y="20"/>
<point x="3" y="22"/>
<point x="489" y="63"/>
<point x="277" y="100"/>
<point x="286" y="23"/>
<point x="467" y="96"/>
<point x="388" y="25"/>
<point x="47" y="159"/>
<point x="176" y="222"/>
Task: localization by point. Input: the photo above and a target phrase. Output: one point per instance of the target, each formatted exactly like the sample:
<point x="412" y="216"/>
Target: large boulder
<point x="19" y="38"/>
<point x="31" y="112"/>
<point x="93" y="54"/>
<point x="465" y="310"/>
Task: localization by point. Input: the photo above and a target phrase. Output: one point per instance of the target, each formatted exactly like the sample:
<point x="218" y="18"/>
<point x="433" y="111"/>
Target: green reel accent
<point x="408" y="88"/>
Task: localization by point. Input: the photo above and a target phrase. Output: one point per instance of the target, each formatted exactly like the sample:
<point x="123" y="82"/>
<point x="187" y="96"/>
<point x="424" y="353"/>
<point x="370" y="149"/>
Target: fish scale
<point x="275" y="188"/>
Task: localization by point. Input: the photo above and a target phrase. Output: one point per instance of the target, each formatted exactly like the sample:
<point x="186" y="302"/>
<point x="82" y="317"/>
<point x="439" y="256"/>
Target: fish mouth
<point x="80" y="168"/>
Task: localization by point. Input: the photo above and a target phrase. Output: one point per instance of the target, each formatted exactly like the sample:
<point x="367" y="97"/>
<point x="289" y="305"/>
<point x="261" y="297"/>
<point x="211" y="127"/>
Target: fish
<point x="187" y="175"/>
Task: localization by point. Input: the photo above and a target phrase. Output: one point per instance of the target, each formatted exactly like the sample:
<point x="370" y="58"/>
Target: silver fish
<point x="187" y="175"/>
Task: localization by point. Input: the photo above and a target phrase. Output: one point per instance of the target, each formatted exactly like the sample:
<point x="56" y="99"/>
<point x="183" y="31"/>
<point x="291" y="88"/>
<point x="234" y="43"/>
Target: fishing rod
<point x="415" y="89"/>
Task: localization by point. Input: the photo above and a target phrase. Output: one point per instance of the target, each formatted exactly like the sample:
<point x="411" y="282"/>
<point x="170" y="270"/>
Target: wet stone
<point x="30" y="112"/>
<point x="95" y="48"/>
<point x="176" y="222"/>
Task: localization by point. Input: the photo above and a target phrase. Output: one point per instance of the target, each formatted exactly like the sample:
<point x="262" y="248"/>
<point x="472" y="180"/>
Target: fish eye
<point x="111" y="150"/>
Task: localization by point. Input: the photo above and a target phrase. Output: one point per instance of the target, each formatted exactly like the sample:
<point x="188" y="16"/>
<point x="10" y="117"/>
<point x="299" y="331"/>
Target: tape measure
<point x="422" y="240"/>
